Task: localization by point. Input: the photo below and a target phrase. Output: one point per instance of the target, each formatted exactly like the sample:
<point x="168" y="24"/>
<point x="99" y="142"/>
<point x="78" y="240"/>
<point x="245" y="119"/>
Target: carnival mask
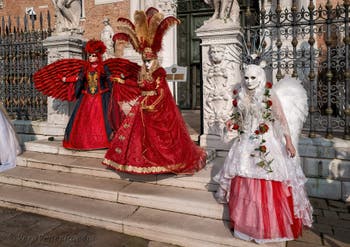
<point x="148" y="64"/>
<point x="92" y="57"/>
<point x="253" y="76"/>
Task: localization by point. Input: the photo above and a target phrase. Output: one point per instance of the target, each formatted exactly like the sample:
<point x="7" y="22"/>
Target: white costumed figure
<point x="262" y="180"/>
<point x="9" y="146"/>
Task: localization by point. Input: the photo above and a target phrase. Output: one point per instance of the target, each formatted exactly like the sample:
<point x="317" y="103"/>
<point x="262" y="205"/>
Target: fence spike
<point x="41" y="21"/>
<point x="9" y="23"/>
<point x="25" y="23"/>
<point x="49" y="22"/>
<point x="32" y="18"/>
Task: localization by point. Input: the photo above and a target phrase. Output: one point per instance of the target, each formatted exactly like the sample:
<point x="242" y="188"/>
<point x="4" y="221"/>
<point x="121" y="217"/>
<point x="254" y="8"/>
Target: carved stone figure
<point x="68" y="14"/>
<point x="224" y="10"/>
<point x="107" y="38"/>
<point x="218" y="89"/>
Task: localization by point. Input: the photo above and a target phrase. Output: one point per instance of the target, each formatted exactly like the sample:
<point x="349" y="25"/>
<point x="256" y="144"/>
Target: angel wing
<point x="48" y="80"/>
<point x="293" y="99"/>
<point x="128" y="71"/>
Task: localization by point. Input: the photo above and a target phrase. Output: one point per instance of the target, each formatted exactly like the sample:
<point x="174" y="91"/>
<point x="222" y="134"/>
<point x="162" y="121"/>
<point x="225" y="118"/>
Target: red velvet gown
<point x="154" y="141"/>
<point x="88" y="126"/>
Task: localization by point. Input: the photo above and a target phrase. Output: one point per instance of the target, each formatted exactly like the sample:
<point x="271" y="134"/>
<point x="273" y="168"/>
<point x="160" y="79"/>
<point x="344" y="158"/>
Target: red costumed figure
<point x="88" y="83"/>
<point x="153" y="138"/>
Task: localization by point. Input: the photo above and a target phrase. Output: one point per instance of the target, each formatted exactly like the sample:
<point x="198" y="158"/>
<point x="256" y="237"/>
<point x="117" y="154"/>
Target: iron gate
<point x="21" y="54"/>
<point x="312" y="43"/>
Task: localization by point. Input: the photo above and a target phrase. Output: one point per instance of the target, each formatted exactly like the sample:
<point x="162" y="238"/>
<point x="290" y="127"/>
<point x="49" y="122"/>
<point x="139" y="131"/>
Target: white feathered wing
<point x="293" y="99"/>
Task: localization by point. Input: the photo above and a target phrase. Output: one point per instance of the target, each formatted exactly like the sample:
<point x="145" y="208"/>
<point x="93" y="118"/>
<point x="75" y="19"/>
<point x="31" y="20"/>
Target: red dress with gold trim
<point x="88" y="127"/>
<point x="96" y="114"/>
<point x="154" y="140"/>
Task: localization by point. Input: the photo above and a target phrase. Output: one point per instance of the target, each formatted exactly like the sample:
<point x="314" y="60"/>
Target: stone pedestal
<point x="221" y="49"/>
<point x="60" y="47"/>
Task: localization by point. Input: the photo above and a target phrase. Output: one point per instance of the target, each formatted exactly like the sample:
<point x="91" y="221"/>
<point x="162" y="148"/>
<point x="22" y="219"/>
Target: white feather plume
<point x="293" y="99"/>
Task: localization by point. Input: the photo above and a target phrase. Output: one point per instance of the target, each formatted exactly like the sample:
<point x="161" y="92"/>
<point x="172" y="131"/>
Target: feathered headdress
<point x="95" y="46"/>
<point x="147" y="33"/>
<point x="257" y="51"/>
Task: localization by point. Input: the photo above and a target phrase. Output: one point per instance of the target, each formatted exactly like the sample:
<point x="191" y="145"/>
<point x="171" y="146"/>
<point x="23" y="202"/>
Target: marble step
<point x="92" y="166"/>
<point x="164" y="226"/>
<point x="181" y="200"/>
<point x="55" y="147"/>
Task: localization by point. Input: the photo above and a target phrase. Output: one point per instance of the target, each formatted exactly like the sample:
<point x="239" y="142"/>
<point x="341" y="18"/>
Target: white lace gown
<point x="9" y="145"/>
<point x="240" y="162"/>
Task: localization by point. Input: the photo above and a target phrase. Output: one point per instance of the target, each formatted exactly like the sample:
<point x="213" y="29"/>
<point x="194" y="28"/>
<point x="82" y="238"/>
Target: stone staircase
<point x="74" y="186"/>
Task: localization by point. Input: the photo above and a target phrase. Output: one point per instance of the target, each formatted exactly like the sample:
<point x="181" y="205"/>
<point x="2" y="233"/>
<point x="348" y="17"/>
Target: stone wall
<point x="326" y="162"/>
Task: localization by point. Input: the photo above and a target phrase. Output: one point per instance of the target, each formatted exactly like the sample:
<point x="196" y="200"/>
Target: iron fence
<point x="312" y="43"/>
<point x="21" y="54"/>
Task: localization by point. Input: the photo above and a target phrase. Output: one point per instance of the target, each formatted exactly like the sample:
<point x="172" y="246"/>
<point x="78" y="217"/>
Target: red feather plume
<point x="161" y="30"/>
<point x="95" y="46"/>
<point x="151" y="11"/>
<point x="127" y="21"/>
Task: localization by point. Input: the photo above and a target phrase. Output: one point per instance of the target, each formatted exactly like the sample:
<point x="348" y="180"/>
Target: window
<point x="97" y="2"/>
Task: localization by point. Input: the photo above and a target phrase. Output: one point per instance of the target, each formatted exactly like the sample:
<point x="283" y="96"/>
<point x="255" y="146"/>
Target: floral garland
<point x="262" y="128"/>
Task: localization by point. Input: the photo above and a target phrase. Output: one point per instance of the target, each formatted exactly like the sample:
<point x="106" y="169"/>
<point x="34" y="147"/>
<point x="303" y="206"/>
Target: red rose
<point x="235" y="127"/>
<point x="263" y="128"/>
<point x="235" y="92"/>
<point x="234" y="103"/>
<point x="262" y="149"/>
<point x="268" y="85"/>
<point x="257" y="132"/>
<point x="269" y="103"/>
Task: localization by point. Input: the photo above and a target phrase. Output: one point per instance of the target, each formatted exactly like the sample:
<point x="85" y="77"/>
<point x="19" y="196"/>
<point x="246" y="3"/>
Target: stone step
<point x="153" y="224"/>
<point x="181" y="200"/>
<point x="92" y="166"/>
<point x="55" y="147"/>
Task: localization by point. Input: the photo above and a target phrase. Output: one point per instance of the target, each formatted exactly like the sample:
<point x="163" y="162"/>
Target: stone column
<point x="60" y="47"/>
<point x="220" y="73"/>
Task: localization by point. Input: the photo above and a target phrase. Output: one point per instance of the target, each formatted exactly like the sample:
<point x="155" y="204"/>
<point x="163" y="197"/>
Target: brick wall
<point x="92" y="22"/>
<point x="96" y="13"/>
<point x="17" y="8"/>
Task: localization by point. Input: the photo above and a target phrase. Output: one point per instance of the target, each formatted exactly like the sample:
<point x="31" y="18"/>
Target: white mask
<point x="148" y="64"/>
<point x="253" y="76"/>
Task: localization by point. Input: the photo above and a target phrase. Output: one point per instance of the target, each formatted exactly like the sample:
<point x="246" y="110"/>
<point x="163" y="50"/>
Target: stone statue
<point x="107" y="38"/>
<point x="68" y="14"/>
<point x="224" y="10"/>
<point x="218" y="88"/>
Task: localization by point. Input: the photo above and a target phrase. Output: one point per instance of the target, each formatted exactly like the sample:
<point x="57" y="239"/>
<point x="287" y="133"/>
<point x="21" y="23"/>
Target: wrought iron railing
<point x="21" y="54"/>
<point x="311" y="43"/>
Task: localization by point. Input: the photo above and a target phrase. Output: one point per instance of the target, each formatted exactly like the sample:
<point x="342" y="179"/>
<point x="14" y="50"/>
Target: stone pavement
<point x="21" y="229"/>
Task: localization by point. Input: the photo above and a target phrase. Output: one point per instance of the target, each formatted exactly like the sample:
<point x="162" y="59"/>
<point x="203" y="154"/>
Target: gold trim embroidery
<point x="153" y="169"/>
<point x="121" y="137"/>
<point x="92" y="82"/>
<point x="149" y="93"/>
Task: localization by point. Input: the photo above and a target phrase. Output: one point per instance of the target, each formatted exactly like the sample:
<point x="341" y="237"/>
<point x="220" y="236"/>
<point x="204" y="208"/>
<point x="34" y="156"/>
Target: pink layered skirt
<point x="262" y="210"/>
